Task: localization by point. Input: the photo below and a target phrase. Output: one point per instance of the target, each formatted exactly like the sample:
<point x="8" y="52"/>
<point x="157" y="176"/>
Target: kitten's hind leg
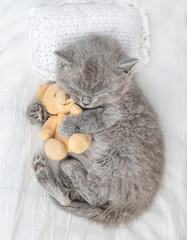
<point x="58" y="188"/>
<point x="37" y="113"/>
<point x="78" y="176"/>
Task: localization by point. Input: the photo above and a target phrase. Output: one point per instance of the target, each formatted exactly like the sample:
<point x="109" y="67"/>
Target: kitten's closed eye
<point x="127" y="72"/>
<point x="102" y="94"/>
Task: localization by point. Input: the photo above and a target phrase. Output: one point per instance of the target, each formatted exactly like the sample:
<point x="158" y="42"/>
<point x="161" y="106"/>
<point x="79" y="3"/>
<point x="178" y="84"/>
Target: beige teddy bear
<point x="59" y="104"/>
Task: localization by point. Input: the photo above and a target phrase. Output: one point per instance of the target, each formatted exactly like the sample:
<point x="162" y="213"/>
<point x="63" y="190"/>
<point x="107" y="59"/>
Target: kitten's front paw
<point x="67" y="128"/>
<point x="37" y="113"/>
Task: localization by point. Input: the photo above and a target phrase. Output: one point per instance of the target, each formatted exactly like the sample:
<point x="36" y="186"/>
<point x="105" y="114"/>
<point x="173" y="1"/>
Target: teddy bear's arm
<point x="49" y="128"/>
<point x="75" y="110"/>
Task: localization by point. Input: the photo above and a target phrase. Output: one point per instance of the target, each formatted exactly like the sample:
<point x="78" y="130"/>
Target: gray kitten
<point x="116" y="179"/>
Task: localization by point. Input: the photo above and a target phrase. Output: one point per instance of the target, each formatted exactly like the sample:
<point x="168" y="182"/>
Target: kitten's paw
<point x="43" y="170"/>
<point x="48" y="181"/>
<point x="67" y="128"/>
<point x="39" y="163"/>
<point x="37" y="113"/>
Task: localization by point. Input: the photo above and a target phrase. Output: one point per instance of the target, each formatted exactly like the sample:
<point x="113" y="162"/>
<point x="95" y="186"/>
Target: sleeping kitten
<point x="116" y="179"/>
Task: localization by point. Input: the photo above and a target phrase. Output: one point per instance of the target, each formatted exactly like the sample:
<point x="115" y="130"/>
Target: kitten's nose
<point x="86" y="100"/>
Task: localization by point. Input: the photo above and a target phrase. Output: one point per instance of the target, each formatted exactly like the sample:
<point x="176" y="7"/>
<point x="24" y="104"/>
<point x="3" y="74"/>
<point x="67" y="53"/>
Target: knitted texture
<point x="54" y="26"/>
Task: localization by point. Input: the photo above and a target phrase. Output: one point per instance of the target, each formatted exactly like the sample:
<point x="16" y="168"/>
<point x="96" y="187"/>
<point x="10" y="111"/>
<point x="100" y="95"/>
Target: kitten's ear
<point x="127" y="65"/>
<point x="63" y="58"/>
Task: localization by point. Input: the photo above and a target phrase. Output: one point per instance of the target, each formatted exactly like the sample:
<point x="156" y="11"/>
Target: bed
<point x="26" y="211"/>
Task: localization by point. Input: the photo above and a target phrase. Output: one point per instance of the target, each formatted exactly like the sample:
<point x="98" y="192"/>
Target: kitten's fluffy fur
<point x="117" y="178"/>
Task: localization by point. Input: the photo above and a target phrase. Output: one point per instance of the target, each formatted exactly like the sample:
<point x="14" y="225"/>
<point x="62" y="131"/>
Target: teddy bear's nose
<point x="86" y="100"/>
<point x="67" y="96"/>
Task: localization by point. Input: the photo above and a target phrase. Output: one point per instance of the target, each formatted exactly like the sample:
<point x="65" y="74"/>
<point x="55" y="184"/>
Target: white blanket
<point x="26" y="211"/>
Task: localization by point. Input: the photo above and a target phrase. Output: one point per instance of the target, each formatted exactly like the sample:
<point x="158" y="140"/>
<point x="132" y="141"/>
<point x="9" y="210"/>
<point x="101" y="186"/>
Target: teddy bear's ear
<point x="41" y="91"/>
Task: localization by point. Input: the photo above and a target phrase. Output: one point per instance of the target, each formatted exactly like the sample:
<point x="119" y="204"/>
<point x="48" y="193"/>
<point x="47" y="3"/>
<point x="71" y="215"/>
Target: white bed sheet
<point x="26" y="211"/>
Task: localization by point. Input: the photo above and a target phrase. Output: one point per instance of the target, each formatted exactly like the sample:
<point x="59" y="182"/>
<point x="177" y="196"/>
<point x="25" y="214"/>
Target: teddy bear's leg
<point x="58" y="188"/>
<point x="37" y="113"/>
<point x="78" y="143"/>
<point x="55" y="149"/>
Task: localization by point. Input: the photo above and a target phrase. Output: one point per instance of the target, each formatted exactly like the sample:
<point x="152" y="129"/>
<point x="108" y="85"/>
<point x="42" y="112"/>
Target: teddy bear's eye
<point x="55" y="95"/>
<point x="67" y="96"/>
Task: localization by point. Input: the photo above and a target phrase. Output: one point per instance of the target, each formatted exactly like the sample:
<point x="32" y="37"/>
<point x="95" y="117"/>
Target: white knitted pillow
<point x="53" y="26"/>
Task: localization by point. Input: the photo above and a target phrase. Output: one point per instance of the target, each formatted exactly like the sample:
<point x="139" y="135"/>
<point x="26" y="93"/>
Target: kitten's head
<point x="95" y="71"/>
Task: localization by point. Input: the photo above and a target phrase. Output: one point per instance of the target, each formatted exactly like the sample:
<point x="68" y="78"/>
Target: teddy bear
<point x="59" y="104"/>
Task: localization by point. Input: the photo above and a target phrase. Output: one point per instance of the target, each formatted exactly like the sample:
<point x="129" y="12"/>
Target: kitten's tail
<point x="102" y="215"/>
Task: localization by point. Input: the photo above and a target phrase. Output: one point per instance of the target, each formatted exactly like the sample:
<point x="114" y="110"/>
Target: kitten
<point x="116" y="179"/>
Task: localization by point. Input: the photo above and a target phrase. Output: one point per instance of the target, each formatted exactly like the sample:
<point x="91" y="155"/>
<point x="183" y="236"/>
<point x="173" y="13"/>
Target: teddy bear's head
<point x="55" y="100"/>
